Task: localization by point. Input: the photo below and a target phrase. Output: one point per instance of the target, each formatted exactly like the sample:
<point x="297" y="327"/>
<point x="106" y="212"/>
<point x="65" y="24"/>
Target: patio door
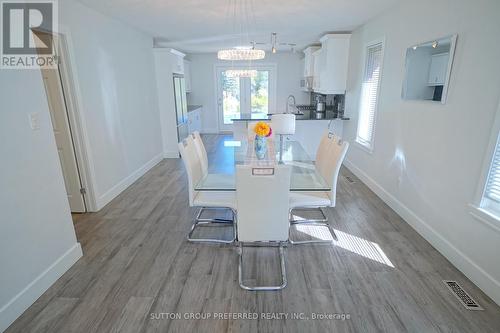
<point x="243" y="96"/>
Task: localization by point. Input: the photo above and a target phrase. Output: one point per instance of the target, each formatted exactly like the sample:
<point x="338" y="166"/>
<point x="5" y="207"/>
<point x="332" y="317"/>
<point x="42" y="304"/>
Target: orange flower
<point x="262" y="129"/>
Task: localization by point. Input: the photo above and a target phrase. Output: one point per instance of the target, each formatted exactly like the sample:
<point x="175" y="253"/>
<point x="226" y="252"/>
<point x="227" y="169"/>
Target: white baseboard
<point x="26" y="297"/>
<point x="171" y="154"/>
<point x="112" y="193"/>
<point x="487" y="283"/>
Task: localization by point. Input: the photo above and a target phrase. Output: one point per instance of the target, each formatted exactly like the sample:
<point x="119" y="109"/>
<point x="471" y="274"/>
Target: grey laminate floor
<point x="137" y="262"/>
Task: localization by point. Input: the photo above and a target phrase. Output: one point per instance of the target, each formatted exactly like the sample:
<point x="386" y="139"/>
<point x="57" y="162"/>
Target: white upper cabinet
<point x="438" y="69"/>
<point x="309" y="61"/>
<point x="187" y="75"/>
<point x="331" y="63"/>
<point x="317" y="68"/>
<point x="177" y="61"/>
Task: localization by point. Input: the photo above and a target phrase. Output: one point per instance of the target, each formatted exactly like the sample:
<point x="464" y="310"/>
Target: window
<point x="491" y="196"/>
<point x="369" y="94"/>
<point x="253" y="96"/>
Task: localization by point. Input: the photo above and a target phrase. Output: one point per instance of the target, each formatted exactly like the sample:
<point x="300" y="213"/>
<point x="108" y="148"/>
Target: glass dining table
<point x="230" y="152"/>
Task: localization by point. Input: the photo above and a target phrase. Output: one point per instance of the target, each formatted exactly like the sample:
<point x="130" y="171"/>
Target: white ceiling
<point x="195" y="26"/>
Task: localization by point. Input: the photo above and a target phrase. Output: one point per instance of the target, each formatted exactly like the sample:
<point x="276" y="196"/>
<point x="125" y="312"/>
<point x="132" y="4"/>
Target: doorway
<point x="237" y="96"/>
<point x="57" y="100"/>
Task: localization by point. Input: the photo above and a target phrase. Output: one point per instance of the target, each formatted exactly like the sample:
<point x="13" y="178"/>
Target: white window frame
<point x="361" y="143"/>
<point x="479" y="210"/>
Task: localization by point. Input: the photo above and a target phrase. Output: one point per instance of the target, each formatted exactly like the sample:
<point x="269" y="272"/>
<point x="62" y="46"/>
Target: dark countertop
<point x="303" y="116"/>
<point x="194" y="107"/>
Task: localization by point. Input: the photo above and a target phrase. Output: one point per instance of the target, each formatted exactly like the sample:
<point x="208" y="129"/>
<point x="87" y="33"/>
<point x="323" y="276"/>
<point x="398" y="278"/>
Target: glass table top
<point x="221" y="173"/>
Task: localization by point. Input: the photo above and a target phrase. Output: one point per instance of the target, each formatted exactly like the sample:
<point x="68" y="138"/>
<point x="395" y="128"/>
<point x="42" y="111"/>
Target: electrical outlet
<point x="34" y="120"/>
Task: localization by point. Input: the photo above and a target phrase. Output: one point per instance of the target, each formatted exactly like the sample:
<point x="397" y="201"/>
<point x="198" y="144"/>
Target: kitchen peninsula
<point x="308" y="129"/>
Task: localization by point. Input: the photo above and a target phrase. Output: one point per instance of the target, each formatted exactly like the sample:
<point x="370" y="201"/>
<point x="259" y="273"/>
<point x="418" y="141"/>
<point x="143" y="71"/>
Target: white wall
<point x="37" y="238"/>
<point x="289" y="73"/>
<point x="428" y="157"/>
<point x="115" y="70"/>
<point x="113" y="67"/>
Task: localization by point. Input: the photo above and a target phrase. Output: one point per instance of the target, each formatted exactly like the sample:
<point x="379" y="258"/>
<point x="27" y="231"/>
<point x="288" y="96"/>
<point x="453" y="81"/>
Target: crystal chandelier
<point x="241" y="73"/>
<point x="241" y="54"/>
<point x="241" y="18"/>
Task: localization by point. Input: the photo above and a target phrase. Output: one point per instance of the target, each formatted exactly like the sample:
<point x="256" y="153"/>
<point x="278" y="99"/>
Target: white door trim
<point x="70" y="82"/>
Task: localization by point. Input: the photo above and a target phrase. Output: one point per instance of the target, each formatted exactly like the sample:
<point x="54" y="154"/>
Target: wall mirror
<point x="428" y="68"/>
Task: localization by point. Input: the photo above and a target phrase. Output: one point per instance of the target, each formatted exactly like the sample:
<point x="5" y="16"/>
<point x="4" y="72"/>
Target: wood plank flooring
<point x="137" y="267"/>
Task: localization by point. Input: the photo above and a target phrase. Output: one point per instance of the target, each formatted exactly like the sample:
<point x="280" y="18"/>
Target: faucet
<point x="288" y="102"/>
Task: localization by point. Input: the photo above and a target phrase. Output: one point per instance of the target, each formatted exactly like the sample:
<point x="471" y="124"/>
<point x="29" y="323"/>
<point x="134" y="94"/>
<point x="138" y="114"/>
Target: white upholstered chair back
<point x="191" y="160"/>
<point x="262" y="203"/>
<point x="330" y="156"/>
<point x="202" y="152"/>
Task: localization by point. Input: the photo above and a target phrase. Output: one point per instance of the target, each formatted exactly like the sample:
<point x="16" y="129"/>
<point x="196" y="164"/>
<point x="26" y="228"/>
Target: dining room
<point x="249" y="166"/>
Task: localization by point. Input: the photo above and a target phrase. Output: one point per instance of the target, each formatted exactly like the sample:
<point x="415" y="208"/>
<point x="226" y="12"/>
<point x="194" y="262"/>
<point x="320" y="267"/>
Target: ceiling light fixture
<point x="240" y="10"/>
<point x="434" y="44"/>
<point x="240" y="54"/>
<point x="241" y="73"/>
<point x="274" y="43"/>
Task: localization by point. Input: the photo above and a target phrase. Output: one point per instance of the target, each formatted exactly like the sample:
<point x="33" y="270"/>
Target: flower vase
<point x="260" y="146"/>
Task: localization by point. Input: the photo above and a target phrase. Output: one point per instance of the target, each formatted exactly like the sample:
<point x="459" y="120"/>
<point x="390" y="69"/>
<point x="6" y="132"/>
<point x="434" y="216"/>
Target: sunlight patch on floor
<point x="316" y="232"/>
<point x="348" y="242"/>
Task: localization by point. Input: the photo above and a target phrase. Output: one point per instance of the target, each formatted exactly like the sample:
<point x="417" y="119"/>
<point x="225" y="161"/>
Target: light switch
<point x="35" y="120"/>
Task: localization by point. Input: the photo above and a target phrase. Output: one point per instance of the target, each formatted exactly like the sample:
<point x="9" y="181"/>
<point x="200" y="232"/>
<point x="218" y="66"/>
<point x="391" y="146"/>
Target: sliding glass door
<point x="238" y="97"/>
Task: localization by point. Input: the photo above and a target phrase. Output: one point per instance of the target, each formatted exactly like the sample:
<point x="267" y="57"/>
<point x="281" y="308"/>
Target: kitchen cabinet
<point x="306" y="84"/>
<point x="438" y="69"/>
<point x="309" y="60"/>
<point x="331" y="64"/>
<point x="177" y="61"/>
<point x="317" y="67"/>
<point x="194" y="120"/>
<point x="187" y="75"/>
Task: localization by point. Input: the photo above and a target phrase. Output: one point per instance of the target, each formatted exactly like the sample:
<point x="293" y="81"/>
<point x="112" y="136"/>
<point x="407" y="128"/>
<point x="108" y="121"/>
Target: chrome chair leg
<point x="323" y="220"/>
<point x="212" y="223"/>
<point x="312" y="222"/>
<point x="262" y="288"/>
<point x="198" y="217"/>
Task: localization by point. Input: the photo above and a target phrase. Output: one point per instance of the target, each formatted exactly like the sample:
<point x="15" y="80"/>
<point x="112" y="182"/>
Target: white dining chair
<point x="202" y="152"/>
<point x="262" y="205"/>
<point x="204" y="199"/>
<point x="330" y="155"/>
<point x="203" y="156"/>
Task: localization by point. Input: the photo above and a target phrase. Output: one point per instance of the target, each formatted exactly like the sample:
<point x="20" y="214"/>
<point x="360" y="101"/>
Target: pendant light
<point x="240" y="8"/>
<point x="241" y="73"/>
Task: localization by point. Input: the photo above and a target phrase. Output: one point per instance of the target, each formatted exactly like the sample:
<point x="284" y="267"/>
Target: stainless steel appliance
<point x="320" y="114"/>
<point x="181" y="107"/>
<point x="320" y="107"/>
